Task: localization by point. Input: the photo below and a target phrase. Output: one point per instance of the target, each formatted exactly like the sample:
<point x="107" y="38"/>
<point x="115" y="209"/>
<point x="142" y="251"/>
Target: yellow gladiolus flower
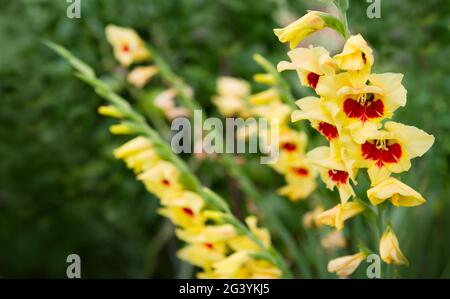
<point x="207" y="234"/>
<point x="361" y="103"/>
<point x="291" y="146"/>
<point x="274" y="112"/>
<point x="356" y="55"/>
<point x="332" y="172"/>
<point x="291" y="141"/>
<point x="346" y="265"/>
<point x="265" y="97"/>
<point x="390" y="250"/>
<point x="231" y="97"/>
<point x="203" y="255"/>
<point x="230" y="86"/>
<point x="138" y="154"/>
<point x="128" y="46"/>
<point x="231" y="267"/>
<point x="310" y="64"/>
<point x="333" y="240"/>
<point x="298" y="30"/>
<point x="397" y="192"/>
<point x="162" y="179"/>
<point x="183" y="209"/>
<point x="244" y="243"/>
<point x="231" y="106"/>
<point x="132" y="147"/>
<point x="391" y="149"/>
<point x="300" y="178"/>
<point x="336" y="216"/>
<point x="240" y="265"/>
<point x="311" y="218"/>
<point x="312" y="109"/>
<point x="261" y="269"/>
<point x="141" y="75"/>
<point x="295" y="191"/>
<point x="166" y="102"/>
<point x="142" y="161"/>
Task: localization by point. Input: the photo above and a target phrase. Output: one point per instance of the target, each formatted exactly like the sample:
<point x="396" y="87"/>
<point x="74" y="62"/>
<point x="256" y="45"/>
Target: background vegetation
<point x="62" y="192"/>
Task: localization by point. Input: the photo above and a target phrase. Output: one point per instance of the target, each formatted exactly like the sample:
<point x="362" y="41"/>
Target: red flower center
<point x="363" y="111"/>
<point x="328" y="130"/>
<point x="209" y="246"/>
<point x="300" y="171"/>
<point x="289" y="146"/>
<point x="165" y="182"/>
<point x="312" y="78"/>
<point x="381" y="154"/>
<point x="188" y="212"/>
<point x="338" y="176"/>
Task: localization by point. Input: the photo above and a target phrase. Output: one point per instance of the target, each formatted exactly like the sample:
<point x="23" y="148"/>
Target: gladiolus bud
<point x="297" y="31"/>
<point x="390" y="250"/>
<point x="346" y="265"/>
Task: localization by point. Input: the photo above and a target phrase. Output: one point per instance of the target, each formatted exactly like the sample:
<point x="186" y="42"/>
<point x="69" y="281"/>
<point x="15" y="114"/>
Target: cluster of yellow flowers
<point x="235" y="99"/>
<point x="351" y="110"/>
<point x="130" y="49"/>
<point x="214" y="245"/>
<point x="351" y="106"/>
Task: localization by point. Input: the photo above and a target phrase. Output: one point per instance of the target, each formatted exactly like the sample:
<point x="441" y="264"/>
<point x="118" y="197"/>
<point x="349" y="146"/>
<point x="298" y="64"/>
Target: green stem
<point x="152" y="112"/>
<point x="380" y="226"/>
<point x="172" y="79"/>
<point x="282" y="86"/>
<point x="342" y="7"/>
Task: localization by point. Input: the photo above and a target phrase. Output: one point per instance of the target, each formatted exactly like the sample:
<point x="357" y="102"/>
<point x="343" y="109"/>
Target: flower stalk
<point x="140" y="127"/>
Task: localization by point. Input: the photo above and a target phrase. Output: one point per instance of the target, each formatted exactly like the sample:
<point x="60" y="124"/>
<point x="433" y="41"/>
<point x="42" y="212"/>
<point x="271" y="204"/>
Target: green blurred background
<point x="61" y="190"/>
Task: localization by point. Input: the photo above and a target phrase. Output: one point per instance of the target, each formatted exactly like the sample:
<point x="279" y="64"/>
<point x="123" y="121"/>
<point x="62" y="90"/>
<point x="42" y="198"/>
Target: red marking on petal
<point x="338" y="176"/>
<point x="125" y="48"/>
<point x="374" y="109"/>
<point x="363" y="112"/>
<point x="391" y="154"/>
<point x="165" y="182"/>
<point x="300" y="171"/>
<point x="209" y="246"/>
<point x="188" y="212"/>
<point x="363" y="55"/>
<point x="328" y="130"/>
<point x="353" y="109"/>
<point x="289" y="146"/>
<point x="313" y="78"/>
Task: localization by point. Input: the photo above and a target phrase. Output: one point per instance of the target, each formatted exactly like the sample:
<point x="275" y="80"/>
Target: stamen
<point x="381" y="144"/>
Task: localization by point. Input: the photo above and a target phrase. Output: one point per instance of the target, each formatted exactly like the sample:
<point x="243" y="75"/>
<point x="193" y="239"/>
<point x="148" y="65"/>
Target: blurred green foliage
<point x="62" y="192"/>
